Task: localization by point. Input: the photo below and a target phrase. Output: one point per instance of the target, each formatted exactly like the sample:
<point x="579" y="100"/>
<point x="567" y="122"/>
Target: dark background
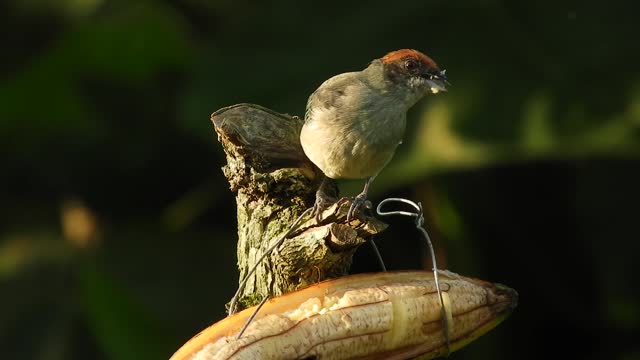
<point x="117" y="228"/>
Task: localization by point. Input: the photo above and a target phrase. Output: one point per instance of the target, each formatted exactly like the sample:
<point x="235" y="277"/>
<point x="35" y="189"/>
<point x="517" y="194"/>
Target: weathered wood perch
<point x="274" y="183"/>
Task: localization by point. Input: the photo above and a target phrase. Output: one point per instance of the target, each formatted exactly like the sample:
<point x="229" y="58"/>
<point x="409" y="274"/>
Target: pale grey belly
<point x="346" y="156"/>
<point x="358" y="160"/>
<point x="352" y="149"/>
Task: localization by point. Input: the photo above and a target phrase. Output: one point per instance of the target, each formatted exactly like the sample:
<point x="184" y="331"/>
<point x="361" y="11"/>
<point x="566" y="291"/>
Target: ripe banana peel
<point x="390" y="315"/>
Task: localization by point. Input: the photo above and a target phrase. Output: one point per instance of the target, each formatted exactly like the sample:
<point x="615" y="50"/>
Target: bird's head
<point x="415" y="71"/>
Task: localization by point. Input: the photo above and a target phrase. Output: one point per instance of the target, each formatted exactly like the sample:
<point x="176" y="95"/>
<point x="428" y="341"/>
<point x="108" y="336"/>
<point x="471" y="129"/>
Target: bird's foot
<point x="357" y="203"/>
<point x="323" y="201"/>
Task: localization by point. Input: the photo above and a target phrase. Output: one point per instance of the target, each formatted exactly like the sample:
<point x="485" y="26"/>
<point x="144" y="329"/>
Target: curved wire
<point x="419" y="216"/>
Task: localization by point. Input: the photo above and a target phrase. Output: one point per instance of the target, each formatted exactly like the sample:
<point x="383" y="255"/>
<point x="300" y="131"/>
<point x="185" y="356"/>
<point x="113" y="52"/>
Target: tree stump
<point x="274" y="184"/>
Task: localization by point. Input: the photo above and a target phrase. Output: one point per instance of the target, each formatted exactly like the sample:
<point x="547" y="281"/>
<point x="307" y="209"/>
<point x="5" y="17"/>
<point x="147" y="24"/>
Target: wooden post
<point x="274" y="183"/>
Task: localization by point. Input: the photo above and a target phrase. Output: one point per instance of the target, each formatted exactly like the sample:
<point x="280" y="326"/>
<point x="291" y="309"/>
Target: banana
<point x="390" y="315"/>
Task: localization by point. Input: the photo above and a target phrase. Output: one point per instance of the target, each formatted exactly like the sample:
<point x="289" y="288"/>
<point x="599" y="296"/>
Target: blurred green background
<point x="117" y="228"/>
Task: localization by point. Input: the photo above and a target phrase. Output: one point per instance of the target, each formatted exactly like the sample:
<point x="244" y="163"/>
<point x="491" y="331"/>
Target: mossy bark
<point x="274" y="184"/>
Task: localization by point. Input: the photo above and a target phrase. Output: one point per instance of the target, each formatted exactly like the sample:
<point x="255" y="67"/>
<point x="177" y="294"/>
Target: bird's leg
<point x="323" y="198"/>
<point x="360" y="200"/>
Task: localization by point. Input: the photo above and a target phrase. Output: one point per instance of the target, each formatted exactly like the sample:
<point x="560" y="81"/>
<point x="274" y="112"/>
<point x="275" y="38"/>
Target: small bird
<point x="355" y="121"/>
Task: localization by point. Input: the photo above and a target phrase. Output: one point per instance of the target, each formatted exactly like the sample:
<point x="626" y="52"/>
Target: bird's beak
<point x="437" y="86"/>
<point x="437" y="81"/>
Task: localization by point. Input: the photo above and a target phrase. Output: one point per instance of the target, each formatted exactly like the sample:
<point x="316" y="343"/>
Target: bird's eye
<point x="411" y="65"/>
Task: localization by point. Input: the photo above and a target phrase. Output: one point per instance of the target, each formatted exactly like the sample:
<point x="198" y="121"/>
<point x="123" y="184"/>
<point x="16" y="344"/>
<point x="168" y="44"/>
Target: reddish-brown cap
<point x="402" y="54"/>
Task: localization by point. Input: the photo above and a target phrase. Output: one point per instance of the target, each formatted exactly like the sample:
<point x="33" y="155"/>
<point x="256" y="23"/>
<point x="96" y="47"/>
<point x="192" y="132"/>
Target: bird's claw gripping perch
<point x="323" y="201"/>
<point x="358" y="203"/>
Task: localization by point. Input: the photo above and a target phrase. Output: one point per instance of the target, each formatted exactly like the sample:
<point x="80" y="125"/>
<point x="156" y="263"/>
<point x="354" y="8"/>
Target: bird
<point x="355" y="121"/>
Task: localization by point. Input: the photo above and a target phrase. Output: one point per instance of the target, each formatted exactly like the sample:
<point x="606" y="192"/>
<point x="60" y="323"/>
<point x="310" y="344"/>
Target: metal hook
<point x="419" y="216"/>
<point x="399" y="212"/>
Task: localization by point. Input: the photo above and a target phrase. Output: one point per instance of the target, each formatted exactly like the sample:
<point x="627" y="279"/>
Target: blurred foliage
<point x="117" y="231"/>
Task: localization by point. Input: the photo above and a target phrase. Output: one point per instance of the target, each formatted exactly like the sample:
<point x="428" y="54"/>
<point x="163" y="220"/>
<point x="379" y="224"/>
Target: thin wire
<point x="250" y="319"/>
<point x="378" y="255"/>
<point x="243" y="283"/>
<point x="419" y="216"/>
